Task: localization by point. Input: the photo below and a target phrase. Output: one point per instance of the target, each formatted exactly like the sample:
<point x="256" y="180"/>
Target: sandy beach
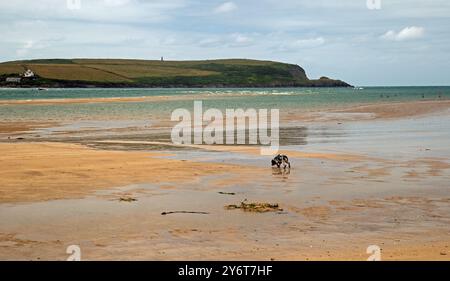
<point x="108" y="194"/>
<point x="203" y="140"/>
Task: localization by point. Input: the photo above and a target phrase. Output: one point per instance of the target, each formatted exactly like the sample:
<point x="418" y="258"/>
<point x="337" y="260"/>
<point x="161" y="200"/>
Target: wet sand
<point x="243" y="149"/>
<point x="402" y="109"/>
<point x="383" y="110"/>
<point x="197" y="96"/>
<point x="339" y="198"/>
<point x="15" y="128"/>
<point x="49" y="171"/>
<point x="86" y="100"/>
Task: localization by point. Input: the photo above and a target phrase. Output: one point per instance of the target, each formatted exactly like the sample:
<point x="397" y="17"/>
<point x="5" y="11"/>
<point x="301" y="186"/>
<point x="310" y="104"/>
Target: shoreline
<point x="211" y="86"/>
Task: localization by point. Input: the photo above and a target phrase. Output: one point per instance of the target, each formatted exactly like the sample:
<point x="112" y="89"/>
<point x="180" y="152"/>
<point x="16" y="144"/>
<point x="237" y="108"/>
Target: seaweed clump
<point x="127" y="199"/>
<point x="255" y="207"/>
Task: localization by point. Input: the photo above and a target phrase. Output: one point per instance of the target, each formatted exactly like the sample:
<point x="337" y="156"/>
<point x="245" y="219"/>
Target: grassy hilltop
<point x="146" y="73"/>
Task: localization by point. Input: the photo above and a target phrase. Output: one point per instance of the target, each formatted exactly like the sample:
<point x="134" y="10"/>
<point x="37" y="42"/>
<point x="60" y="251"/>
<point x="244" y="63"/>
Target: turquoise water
<point x="298" y="98"/>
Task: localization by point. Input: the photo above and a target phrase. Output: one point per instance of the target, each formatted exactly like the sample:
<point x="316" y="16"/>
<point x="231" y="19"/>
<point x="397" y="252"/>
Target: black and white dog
<point x="281" y="160"/>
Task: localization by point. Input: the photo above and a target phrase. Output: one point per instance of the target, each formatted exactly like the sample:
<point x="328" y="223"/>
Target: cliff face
<point x="141" y="73"/>
<point x="298" y="73"/>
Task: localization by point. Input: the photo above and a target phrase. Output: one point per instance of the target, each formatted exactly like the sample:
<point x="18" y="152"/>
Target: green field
<point x="147" y="73"/>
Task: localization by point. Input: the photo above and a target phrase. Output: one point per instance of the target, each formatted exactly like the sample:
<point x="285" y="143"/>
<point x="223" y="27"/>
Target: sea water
<point x="280" y="98"/>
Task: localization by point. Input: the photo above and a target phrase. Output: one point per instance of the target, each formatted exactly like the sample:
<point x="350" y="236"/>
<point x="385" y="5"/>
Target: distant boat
<point x="42" y="89"/>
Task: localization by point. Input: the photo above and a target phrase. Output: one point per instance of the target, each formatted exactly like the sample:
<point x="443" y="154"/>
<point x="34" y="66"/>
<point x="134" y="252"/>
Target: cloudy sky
<point x="405" y="42"/>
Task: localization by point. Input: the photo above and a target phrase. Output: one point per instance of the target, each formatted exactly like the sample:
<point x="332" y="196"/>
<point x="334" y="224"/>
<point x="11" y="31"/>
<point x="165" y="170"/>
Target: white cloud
<point x="209" y="42"/>
<point x="408" y="33"/>
<point x="241" y="40"/>
<point x="104" y="11"/>
<point x="115" y="3"/>
<point x="308" y="43"/>
<point x="231" y="40"/>
<point x="225" y="8"/>
<point x="293" y="45"/>
<point x="23" y="51"/>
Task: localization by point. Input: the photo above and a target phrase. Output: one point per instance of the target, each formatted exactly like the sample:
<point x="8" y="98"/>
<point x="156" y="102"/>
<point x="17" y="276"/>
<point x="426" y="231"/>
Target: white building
<point x="28" y="74"/>
<point x="13" y="79"/>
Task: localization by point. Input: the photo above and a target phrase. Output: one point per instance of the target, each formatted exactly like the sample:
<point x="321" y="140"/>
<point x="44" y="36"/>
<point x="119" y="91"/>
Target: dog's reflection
<point x="281" y="172"/>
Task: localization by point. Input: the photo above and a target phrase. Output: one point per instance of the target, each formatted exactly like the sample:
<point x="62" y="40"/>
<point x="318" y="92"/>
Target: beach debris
<point x="443" y="253"/>
<point x="227" y="193"/>
<point x="183" y="212"/>
<point x="127" y="199"/>
<point x="255" y="207"/>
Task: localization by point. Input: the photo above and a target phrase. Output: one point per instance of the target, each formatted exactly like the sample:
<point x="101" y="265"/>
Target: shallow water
<point x="305" y="99"/>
